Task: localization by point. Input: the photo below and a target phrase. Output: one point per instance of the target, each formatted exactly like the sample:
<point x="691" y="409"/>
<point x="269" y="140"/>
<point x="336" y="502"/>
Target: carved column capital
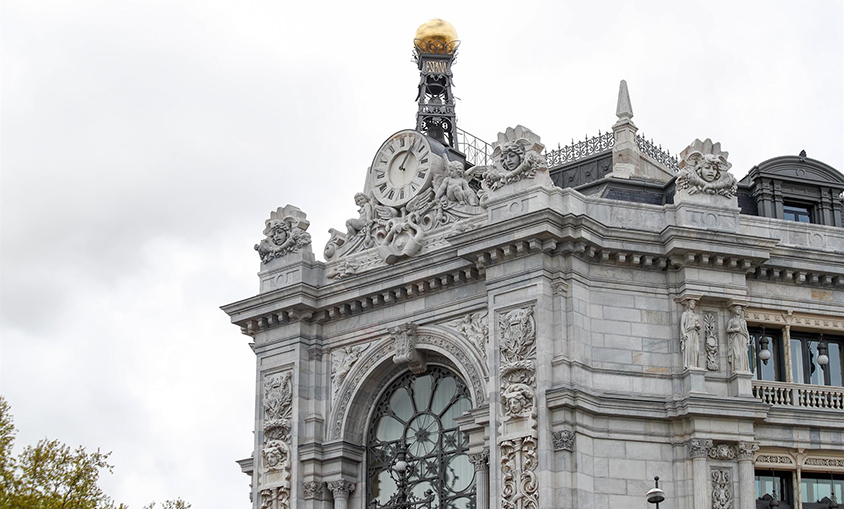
<point x="563" y="440"/>
<point x="313" y="489"/>
<point x="746" y="450"/>
<point x="480" y="460"/>
<point x="341" y="489"/>
<point x="699" y="447"/>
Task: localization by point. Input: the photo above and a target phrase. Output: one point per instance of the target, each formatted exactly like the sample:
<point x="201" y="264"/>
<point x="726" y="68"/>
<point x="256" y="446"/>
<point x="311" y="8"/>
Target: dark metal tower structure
<point x="436" y="116"/>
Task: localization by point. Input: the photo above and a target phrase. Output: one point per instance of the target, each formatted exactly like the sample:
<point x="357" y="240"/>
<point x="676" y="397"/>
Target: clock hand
<point x="407" y="154"/>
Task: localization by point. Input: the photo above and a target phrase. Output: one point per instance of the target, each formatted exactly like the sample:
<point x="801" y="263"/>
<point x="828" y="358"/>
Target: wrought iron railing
<point x="656" y="153"/>
<point x="799" y="395"/>
<point x="478" y="152"/>
<point x="580" y="149"/>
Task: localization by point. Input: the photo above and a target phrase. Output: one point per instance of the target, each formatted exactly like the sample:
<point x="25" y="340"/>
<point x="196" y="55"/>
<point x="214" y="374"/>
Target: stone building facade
<point x="505" y="326"/>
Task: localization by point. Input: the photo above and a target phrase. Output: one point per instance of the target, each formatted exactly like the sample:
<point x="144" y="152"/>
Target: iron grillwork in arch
<point x="417" y="458"/>
<point x="580" y="149"/>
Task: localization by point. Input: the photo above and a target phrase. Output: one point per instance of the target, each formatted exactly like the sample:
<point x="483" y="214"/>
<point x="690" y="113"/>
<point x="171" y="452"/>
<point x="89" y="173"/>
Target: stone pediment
<point x="799" y="169"/>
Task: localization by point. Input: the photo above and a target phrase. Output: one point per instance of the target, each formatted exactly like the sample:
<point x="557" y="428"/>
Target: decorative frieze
<point x="774" y="459"/>
<point x="824" y="462"/>
<point x="710" y="334"/>
<point x="563" y="440"/>
<point x="722" y="452"/>
<point x="722" y="488"/>
<point x="276" y="451"/>
<point x="792" y="318"/>
<point x="518" y="369"/>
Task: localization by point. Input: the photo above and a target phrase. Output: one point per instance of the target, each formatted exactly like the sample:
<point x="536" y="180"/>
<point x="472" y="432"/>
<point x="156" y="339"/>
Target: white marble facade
<point x="567" y="316"/>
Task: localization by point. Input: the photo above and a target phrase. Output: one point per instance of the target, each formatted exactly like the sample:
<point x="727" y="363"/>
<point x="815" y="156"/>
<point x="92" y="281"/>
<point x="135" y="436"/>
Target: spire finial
<point x="624" y="111"/>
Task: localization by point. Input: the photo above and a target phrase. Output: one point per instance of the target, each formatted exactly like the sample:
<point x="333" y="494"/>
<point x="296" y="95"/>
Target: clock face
<point x="402" y="168"/>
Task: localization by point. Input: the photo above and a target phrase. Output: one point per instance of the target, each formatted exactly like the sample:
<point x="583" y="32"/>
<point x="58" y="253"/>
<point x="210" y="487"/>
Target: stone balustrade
<point x="799" y="395"/>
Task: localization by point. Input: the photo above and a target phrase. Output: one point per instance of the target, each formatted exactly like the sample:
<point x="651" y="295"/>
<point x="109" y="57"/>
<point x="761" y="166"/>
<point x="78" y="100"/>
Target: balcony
<point x="799" y="395"/>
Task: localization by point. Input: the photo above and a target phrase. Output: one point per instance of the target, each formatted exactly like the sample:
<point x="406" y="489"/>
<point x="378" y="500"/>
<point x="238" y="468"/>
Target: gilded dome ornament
<point x="436" y="36"/>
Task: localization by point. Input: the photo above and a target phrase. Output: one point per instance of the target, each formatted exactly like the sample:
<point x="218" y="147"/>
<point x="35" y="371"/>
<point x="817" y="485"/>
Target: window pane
<point x="400" y="404"/>
<point x="796" y="213"/>
<point x="797" y="361"/>
<point x="834" y="363"/>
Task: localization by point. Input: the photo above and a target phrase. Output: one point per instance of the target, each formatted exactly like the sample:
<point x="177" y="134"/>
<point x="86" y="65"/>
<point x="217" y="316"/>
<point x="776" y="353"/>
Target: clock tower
<point x="434" y="50"/>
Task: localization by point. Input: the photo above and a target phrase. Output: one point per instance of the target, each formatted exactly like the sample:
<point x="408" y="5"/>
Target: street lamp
<point x="823" y="350"/>
<point x="764" y="352"/>
<point x="656" y="495"/>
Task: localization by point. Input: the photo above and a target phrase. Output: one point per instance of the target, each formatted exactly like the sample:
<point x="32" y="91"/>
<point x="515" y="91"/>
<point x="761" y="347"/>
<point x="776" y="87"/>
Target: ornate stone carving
<point x="277" y="497"/>
<point x="315" y="353"/>
<point x="518" y="370"/>
<point x="710" y="333"/>
<point x="690" y="335"/>
<point x="341" y="363"/>
<point x="563" y="440"/>
<point x="825" y="462"/>
<point x="722" y="488"/>
<point x="474" y="329"/>
<point x="404" y="341"/>
<point x="774" y="459"/>
<point x="738" y="339"/>
<point x="278" y="415"/>
<point x="517" y="156"/>
<point x="463" y="359"/>
<point x="341" y="489"/>
<point x="722" y="452"/>
<point x="518" y="469"/>
<point x="480" y="460"/>
<point x="704" y="169"/>
<point x="342" y="403"/>
<point x="313" y="489"/>
<point x="285" y="232"/>
<point x="699" y="447"/>
<point x="746" y="450"/>
<point x="453" y="187"/>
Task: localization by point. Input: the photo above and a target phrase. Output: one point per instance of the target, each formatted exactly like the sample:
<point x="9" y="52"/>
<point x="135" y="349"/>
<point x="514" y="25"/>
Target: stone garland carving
<point x="704" y="169"/>
<point x="285" y="233"/>
<point x="711" y="341"/>
<point x="739" y="340"/>
<point x="699" y="447"/>
<point x="278" y="414"/>
<point x="404" y="348"/>
<point x="722" y="488"/>
<point x="518" y="470"/>
<point x="516" y="155"/>
<point x="746" y="450"/>
<point x="342" y="362"/>
<point x="563" y="440"/>
<point x="474" y="329"/>
<point x="690" y="335"/>
<point x="313" y="489"/>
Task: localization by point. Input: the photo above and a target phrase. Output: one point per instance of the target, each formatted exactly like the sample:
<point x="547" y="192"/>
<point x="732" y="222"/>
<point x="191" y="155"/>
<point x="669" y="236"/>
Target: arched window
<point x="416" y="456"/>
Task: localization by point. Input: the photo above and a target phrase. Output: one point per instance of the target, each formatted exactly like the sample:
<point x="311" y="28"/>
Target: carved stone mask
<point x="279" y="234"/>
<point x="510" y="160"/>
<point x="709" y="169"/>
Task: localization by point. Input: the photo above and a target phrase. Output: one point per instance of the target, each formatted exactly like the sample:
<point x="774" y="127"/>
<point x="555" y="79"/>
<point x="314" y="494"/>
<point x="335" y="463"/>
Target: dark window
<point x="414" y="426"/>
<point x="797" y="212"/>
<point x="772" y="485"/>
<point x="817" y="490"/>
<point x="805" y="353"/>
<point x="773" y="369"/>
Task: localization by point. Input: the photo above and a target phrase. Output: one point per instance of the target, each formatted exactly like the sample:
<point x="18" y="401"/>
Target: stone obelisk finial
<point x="624" y="111"/>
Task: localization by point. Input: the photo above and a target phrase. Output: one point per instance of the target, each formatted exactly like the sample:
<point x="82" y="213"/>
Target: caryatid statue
<point x="690" y="335"/>
<point x="739" y="340"/>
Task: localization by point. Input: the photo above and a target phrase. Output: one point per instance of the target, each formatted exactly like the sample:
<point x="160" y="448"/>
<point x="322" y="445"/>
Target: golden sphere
<point x="436" y="36"/>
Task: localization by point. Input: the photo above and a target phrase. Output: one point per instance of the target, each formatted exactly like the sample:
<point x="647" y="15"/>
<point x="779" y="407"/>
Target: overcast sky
<point x="144" y="143"/>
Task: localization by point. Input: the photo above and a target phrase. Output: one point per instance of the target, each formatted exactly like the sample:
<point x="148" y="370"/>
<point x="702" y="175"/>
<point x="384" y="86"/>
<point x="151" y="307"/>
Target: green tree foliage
<point x="51" y="475"/>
